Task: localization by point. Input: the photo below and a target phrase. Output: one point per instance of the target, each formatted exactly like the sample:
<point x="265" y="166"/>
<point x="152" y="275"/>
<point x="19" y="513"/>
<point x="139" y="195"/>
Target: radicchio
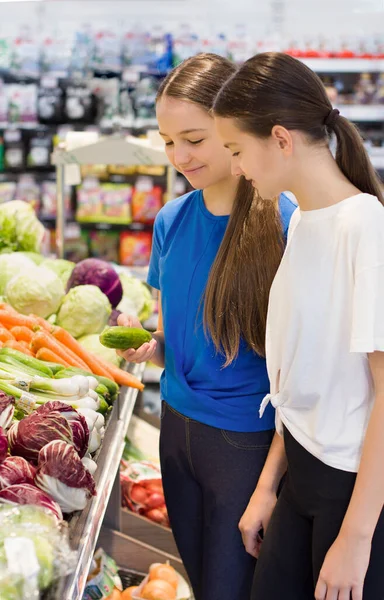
<point x="80" y="430"/>
<point x="3" y="445"/>
<point x="25" y="493"/>
<point x="93" y="271"/>
<point x="15" y="470"/>
<point x="28" y="436"/>
<point x="63" y="476"/>
<point x="7" y="409"/>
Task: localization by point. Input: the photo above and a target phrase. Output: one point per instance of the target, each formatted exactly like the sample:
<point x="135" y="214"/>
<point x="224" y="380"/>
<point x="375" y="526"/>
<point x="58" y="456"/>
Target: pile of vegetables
<point x="83" y="299"/>
<point x="161" y="583"/>
<point x="34" y="552"/>
<point x="36" y="337"/>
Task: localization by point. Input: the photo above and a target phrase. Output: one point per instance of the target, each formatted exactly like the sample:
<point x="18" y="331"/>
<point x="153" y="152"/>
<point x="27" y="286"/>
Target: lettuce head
<point x="38" y="291"/>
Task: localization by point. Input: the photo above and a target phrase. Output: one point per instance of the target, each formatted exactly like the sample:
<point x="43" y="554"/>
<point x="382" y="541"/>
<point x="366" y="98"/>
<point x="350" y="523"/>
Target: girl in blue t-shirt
<point x="215" y="253"/>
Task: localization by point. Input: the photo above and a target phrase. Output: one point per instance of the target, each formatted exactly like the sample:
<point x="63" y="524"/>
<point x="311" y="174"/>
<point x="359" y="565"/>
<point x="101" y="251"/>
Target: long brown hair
<point x="275" y="89"/>
<point x="237" y="291"/>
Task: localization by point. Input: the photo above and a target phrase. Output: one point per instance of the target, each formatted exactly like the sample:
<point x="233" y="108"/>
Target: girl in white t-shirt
<point x="325" y="338"/>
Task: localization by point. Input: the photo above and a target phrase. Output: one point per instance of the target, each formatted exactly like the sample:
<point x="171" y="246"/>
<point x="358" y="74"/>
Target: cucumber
<point x="123" y="338"/>
<point x="104" y="406"/>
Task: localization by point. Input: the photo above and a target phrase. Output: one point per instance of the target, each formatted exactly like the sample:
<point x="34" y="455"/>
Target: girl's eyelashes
<point x="194" y="142"/>
<point x="235" y="153"/>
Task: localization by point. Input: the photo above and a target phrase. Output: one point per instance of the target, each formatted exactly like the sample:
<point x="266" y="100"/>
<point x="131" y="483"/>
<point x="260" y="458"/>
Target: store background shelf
<point x="345" y="65"/>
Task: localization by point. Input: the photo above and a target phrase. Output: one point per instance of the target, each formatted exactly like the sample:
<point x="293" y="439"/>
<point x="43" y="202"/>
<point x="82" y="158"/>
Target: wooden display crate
<point x="146" y="531"/>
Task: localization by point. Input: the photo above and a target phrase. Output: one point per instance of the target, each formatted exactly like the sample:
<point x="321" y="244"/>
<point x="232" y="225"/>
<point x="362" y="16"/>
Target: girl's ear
<point x="283" y="138"/>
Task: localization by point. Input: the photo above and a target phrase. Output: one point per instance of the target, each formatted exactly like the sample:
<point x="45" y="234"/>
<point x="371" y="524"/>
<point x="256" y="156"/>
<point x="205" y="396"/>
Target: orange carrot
<point x="8" y="307"/>
<point x="22" y="334"/>
<point x="42" y="323"/>
<point x="49" y="356"/>
<point x="17" y="346"/>
<point x="10" y="319"/>
<point x="43" y="339"/>
<point x="5" y="335"/>
<point x="97" y="366"/>
<point x="123" y="378"/>
<point x="95" y="363"/>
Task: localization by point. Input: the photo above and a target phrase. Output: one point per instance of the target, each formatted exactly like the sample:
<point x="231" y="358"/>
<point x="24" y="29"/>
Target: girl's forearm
<point x="275" y="466"/>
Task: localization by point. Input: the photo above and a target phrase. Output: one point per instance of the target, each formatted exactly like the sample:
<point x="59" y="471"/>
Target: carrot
<point x="49" y="356"/>
<point x="8" y="307"/>
<point x="10" y="319"/>
<point x="5" y="335"/>
<point x="123" y="378"/>
<point x="17" y="346"/>
<point x="22" y="334"/>
<point x="42" y="323"/>
<point x="96" y="365"/>
<point x="43" y="339"/>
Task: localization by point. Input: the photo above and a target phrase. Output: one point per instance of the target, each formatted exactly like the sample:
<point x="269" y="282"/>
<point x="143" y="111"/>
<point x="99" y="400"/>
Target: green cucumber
<point x="124" y="338"/>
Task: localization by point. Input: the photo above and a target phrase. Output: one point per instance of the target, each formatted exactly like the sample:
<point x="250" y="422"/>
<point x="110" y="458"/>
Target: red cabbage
<point x="93" y="271"/>
<point x="3" y="445"/>
<point x="25" y="493"/>
<point x="63" y="476"/>
<point x="115" y="314"/>
<point x="7" y="409"/>
<point x="78" y="423"/>
<point x="28" y="436"/>
<point x="15" y="470"/>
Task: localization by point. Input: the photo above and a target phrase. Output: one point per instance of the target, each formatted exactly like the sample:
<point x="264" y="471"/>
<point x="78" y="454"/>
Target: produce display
<point x="162" y="582"/>
<point x="58" y="383"/>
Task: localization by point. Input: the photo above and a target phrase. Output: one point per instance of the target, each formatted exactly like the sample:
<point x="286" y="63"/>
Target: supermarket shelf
<point x="114" y="226"/>
<point x="345" y="65"/>
<point x="362" y="112"/>
<point x="113" y="150"/>
<point x="84" y="529"/>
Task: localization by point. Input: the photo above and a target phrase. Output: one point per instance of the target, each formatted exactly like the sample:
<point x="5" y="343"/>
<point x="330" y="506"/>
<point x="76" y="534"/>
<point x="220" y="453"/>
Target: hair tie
<point x="331" y="118"/>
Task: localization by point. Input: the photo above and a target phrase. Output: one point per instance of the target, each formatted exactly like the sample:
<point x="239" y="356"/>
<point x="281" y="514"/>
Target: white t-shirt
<point x="326" y="312"/>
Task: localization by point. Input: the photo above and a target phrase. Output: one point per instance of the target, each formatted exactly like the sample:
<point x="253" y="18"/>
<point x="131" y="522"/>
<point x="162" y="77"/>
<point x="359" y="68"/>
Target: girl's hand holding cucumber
<point x="130" y="340"/>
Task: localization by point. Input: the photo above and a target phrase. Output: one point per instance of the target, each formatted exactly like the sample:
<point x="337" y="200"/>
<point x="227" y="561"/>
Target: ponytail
<point x="353" y="160"/>
<point x="237" y="292"/>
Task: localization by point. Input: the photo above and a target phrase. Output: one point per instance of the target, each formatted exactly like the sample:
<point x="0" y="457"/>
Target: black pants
<point x="209" y="476"/>
<point x="304" y="525"/>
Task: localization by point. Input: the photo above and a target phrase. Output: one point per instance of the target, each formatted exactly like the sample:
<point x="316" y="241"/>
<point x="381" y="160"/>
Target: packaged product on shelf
<point x="365" y="89"/>
<point x="89" y="200"/>
<point x="105" y="245"/>
<point x="56" y="55"/>
<point x="28" y="190"/>
<point x="135" y="248"/>
<point x="25" y="55"/>
<point x="142" y="490"/>
<point x="22" y="102"/>
<point x="49" y="199"/>
<point x="107" y="52"/>
<point x="80" y="103"/>
<point x="103" y="577"/>
<point x="152" y="170"/>
<point x="107" y="93"/>
<point x="379" y="94"/>
<point x="50" y="104"/>
<point x="3" y="103"/>
<point x="117" y="200"/>
<point x="99" y="171"/>
<point x="7" y="191"/>
<point x="147" y="200"/>
<point x="121" y="170"/>
<point x="40" y="148"/>
<point x="14" y="150"/>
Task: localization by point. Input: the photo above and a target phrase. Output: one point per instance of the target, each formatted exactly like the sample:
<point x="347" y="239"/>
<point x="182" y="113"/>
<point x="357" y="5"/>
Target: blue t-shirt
<point x="185" y="243"/>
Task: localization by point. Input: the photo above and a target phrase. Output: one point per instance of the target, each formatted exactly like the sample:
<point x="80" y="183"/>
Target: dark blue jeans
<point x="209" y="476"/>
